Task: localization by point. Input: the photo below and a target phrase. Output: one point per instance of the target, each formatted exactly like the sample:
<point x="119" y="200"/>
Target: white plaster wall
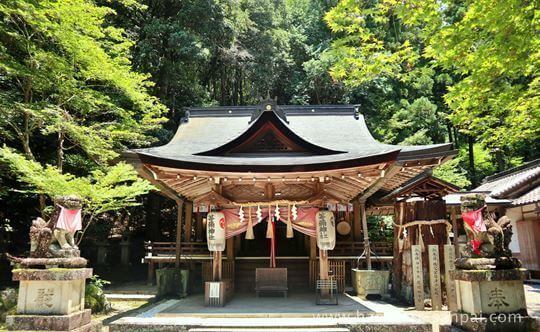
<point x="515" y="215"/>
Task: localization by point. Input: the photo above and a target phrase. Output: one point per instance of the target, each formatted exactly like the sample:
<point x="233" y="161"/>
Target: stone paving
<point x="532" y="297"/>
<point x="371" y="313"/>
<point x="298" y="311"/>
<point x="248" y="304"/>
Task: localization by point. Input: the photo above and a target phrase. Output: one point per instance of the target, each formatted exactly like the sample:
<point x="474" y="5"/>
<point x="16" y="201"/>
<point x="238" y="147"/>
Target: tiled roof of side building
<point x="514" y="182"/>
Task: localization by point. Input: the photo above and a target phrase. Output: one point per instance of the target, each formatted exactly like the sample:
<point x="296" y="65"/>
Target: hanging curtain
<point x="234" y="226"/>
<point x="305" y="223"/>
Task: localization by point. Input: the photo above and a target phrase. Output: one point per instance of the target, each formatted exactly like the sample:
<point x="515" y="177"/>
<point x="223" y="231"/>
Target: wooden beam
<point x="369" y="170"/>
<point x="212" y="198"/>
<point x="178" y="249"/>
<point x="376" y="185"/>
<point x="152" y="177"/>
<point x="269" y="191"/>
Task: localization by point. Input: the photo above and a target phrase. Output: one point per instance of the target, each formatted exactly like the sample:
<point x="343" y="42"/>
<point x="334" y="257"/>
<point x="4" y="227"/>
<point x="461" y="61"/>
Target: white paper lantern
<point x="326" y="230"/>
<point x="215" y="231"/>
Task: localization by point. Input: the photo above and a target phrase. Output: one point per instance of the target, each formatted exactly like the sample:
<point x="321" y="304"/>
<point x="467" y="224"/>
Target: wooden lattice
<point x="337" y="269"/>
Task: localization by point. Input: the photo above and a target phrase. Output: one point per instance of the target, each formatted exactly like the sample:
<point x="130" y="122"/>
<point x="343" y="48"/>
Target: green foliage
<point x="63" y="70"/>
<point x="453" y="172"/>
<point x="380" y="228"/>
<point x="94" y="297"/>
<point x="490" y="49"/>
<point x="70" y="101"/>
<point x="111" y="189"/>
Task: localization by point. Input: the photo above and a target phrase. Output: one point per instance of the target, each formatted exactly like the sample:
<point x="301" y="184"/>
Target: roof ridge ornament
<point x="357" y="112"/>
<point x="269" y="105"/>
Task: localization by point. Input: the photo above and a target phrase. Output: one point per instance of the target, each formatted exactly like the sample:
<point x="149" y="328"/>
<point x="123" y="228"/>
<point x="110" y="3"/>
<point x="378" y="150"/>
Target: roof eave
<point x="269" y="168"/>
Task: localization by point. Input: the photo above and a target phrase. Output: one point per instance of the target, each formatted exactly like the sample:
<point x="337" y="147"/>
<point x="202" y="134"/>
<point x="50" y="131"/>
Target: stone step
<point x="270" y="329"/>
<point x="197" y="324"/>
<point x="129" y="297"/>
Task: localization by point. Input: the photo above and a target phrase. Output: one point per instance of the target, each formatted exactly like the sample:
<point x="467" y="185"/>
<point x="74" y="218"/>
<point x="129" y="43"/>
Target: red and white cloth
<point x="69" y="219"/>
<point x="475" y="220"/>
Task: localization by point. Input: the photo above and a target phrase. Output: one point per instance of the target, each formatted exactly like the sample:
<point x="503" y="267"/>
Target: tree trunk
<point x="60" y="151"/>
<point x="449" y="128"/>
<point x="241" y="87"/>
<point x="471" y="161"/>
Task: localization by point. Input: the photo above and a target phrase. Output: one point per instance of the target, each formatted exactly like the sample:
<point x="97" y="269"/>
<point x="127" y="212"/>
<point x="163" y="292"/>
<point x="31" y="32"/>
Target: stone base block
<point x="51" y="291"/>
<point x="49" y="322"/>
<point x="485" y="292"/>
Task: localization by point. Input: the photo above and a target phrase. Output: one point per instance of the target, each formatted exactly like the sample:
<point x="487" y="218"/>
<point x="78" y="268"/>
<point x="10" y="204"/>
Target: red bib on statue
<point x="475" y="220"/>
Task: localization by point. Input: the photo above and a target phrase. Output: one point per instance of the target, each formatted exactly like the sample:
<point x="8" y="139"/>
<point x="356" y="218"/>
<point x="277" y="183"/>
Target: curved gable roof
<point x="330" y="128"/>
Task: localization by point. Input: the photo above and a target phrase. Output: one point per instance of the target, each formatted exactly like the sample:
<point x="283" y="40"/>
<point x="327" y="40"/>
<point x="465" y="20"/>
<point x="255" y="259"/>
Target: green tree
<point x="104" y="190"/>
<point x="377" y="55"/>
<point x="69" y="98"/>
<point x="483" y="57"/>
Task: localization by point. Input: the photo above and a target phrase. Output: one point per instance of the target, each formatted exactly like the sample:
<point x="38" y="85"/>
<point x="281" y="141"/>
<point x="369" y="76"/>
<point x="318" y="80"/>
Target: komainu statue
<point x="487" y="240"/>
<point x="53" y="242"/>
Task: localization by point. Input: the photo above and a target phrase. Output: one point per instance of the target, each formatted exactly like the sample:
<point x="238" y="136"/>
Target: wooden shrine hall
<point x="268" y="172"/>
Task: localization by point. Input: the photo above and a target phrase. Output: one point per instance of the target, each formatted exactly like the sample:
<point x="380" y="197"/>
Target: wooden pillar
<point x="399" y="214"/>
<point x="199" y="234"/>
<point x="367" y="249"/>
<point x="312" y="247"/>
<point x="216" y="266"/>
<point x="323" y="269"/>
<point x="237" y="245"/>
<point x="178" y="248"/>
<point x="323" y="264"/>
<point x="230" y="248"/>
<point x="357" y="227"/>
<point x="454" y="229"/>
<point x="188" y="219"/>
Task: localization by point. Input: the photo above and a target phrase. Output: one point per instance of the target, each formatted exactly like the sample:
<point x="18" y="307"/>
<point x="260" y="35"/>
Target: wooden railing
<point x="351" y="248"/>
<point x="169" y="248"/>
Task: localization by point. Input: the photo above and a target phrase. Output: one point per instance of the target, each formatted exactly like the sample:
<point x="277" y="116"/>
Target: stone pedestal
<point x="51" y="299"/>
<point x="491" y="300"/>
<point x="370" y="282"/>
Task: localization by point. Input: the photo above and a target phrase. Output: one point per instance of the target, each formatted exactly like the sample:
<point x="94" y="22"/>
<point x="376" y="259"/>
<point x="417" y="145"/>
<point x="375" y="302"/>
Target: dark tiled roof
<point x="516" y="186"/>
<point x="332" y="127"/>
<point x="532" y="196"/>
<point x="514" y="182"/>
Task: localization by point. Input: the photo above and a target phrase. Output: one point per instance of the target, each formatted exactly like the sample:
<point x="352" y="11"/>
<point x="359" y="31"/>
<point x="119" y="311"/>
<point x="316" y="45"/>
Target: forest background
<point x="82" y="80"/>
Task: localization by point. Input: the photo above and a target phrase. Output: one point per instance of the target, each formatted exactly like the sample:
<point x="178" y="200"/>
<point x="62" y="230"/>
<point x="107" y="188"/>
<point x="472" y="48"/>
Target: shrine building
<point x="269" y="172"/>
